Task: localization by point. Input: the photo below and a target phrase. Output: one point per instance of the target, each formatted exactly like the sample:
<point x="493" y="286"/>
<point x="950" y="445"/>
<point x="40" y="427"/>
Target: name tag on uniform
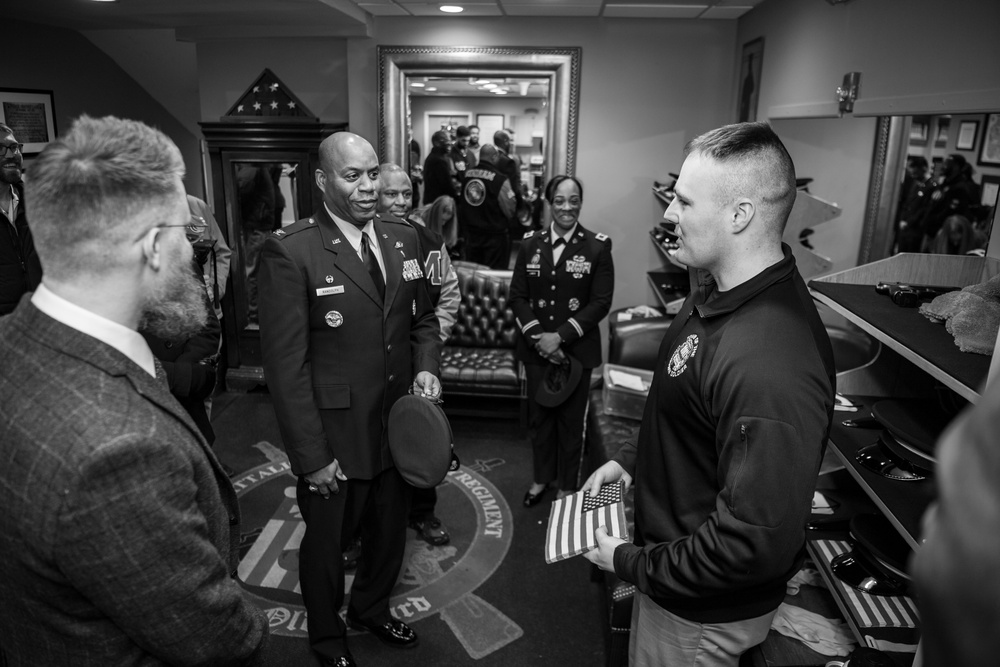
<point x="326" y="291"/>
<point x="412" y="270"/>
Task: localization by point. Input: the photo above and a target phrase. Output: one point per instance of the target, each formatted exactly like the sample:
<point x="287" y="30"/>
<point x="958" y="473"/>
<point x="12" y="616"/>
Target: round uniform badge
<point x="329" y="279"/>
<point x="334" y="319"/>
<point x="475" y="192"/>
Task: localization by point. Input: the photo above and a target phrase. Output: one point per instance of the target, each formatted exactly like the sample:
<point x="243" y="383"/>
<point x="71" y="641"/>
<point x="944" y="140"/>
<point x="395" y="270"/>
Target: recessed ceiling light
<point x="481" y="81"/>
<point x="432" y="89"/>
<point x="489" y="86"/>
<point x="451" y="9"/>
<point x="417" y="84"/>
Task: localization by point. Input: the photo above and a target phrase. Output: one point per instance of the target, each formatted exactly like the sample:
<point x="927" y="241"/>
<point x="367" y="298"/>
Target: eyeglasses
<point x="10" y="150"/>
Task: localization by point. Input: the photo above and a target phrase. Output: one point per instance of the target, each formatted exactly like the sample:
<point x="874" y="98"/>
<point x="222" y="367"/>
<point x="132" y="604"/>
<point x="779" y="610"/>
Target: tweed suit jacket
<point x="335" y="357"/>
<point x="119" y="528"/>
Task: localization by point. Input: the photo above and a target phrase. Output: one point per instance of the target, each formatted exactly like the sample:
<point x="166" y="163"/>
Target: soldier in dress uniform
<point x="346" y="323"/>
<point x="560" y="291"/>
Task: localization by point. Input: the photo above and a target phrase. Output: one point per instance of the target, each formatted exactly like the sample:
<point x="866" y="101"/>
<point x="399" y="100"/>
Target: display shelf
<point x="666" y="254"/>
<point x="851" y="602"/>
<point x="902" y="502"/>
<point x="662" y="197"/>
<point x="670" y="287"/>
<point x="926" y="344"/>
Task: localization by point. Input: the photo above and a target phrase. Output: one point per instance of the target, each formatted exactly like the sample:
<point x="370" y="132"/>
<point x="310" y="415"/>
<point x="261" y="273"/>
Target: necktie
<point x="372" y="265"/>
<point x="557" y="249"/>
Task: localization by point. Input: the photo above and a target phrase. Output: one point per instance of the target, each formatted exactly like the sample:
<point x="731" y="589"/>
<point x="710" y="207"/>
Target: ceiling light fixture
<point x="417" y="84"/>
<point x="451" y="9"/>
<point x="432" y="89"/>
<point x="481" y="81"/>
<point x="489" y="86"/>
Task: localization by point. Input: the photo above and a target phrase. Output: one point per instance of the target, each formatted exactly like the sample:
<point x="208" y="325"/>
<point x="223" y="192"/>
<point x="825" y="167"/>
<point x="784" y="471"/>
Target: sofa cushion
<point x="484" y="319"/>
<point x="480" y="370"/>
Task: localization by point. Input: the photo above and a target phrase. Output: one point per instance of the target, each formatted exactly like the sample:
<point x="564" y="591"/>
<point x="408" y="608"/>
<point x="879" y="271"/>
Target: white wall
<point x="647" y="87"/>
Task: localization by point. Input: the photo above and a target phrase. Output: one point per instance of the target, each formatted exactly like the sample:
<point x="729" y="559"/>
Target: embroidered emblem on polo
<point x="686" y="350"/>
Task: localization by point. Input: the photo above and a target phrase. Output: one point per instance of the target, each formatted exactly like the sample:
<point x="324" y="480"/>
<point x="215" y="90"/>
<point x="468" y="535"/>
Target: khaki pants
<point x="660" y="638"/>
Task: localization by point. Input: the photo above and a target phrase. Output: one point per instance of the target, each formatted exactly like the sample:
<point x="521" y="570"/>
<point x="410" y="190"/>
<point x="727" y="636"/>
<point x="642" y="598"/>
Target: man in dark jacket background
<point x="20" y="269"/>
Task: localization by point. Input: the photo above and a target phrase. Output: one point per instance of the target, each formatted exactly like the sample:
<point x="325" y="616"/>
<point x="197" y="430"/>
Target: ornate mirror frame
<point x="561" y="66"/>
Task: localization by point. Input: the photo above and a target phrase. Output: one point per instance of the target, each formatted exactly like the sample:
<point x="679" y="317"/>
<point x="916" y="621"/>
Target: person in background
<point x="955" y="193"/>
<point x="216" y="264"/>
<point x="509" y="165"/>
<point x="474" y="141"/>
<point x="20" y="269"/>
<point x="736" y="420"/>
<point x="346" y="329"/>
<point x="189" y="362"/>
<point x="441" y="217"/>
<point x="913" y="199"/>
<point x="461" y="157"/>
<point x="485" y="211"/>
<point x="954" y="570"/>
<point x="957" y="237"/>
<point x="396" y="198"/>
<point x="119" y="532"/>
<point x="439" y="172"/>
<point x="561" y="289"/>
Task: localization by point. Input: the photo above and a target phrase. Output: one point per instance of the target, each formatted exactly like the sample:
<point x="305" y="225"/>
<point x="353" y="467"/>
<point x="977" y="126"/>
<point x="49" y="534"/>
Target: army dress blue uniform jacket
<point x="335" y="360"/>
<point x="569" y="297"/>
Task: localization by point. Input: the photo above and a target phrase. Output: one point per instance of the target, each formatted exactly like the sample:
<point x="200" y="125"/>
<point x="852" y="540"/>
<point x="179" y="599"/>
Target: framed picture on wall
<point x="30" y="114"/>
<point x="750" y="67"/>
<point x="989" y="151"/>
<point x="967" y="131"/>
<point x="989" y="188"/>
<point x="941" y="136"/>
<point x="488" y="124"/>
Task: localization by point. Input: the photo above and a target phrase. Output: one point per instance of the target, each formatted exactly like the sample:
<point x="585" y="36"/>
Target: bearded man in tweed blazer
<point x="119" y="528"/>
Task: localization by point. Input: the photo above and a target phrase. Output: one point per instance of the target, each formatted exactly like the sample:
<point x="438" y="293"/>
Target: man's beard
<point x="473" y="142"/>
<point x="177" y="309"/>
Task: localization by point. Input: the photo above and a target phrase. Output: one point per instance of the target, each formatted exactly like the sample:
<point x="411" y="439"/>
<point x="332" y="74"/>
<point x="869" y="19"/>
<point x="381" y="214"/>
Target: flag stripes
<point x="870" y="611"/>
<point x="571" y="525"/>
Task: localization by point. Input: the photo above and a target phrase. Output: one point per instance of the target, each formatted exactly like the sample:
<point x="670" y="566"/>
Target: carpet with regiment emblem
<point x="485" y="598"/>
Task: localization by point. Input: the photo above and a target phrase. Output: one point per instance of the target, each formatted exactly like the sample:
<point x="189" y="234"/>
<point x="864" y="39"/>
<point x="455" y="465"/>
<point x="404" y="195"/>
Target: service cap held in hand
<point x="420" y="440"/>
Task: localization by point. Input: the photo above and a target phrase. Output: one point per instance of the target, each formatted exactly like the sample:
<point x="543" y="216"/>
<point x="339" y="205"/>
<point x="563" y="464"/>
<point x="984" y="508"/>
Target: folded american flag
<point x="574" y="518"/>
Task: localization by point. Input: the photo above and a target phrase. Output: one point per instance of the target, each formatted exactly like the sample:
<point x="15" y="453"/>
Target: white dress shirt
<point x="127" y="341"/>
<point x="353" y="236"/>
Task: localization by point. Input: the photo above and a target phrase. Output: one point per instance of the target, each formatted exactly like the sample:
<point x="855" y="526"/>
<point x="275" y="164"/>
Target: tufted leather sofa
<point x="478" y="358"/>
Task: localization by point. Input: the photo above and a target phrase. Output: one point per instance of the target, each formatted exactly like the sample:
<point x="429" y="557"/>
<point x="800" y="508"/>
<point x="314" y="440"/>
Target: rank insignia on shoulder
<point x="528" y="235"/>
<point x="279" y="232"/>
<point x="601" y="236"/>
<point x="335" y="242"/>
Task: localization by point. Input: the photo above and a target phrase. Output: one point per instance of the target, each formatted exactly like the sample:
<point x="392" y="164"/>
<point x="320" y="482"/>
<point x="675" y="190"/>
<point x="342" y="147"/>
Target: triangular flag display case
<point x="268" y="97"/>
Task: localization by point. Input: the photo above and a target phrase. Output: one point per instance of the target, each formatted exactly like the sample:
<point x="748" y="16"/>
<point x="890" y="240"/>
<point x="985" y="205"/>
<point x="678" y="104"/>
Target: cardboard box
<point x="621" y="392"/>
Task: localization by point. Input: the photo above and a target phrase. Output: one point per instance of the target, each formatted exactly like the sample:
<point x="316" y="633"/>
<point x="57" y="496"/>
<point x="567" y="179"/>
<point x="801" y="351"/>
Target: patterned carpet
<point x="486" y="598"/>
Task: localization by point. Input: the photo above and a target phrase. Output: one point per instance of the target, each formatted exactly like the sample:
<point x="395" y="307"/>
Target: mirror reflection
<point x="267" y="200"/>
<point x="948" y="186"/>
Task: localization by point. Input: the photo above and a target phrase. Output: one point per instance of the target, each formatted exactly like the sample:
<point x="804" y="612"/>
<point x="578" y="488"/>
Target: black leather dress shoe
<point x="532" y="499"/>
<point x="394" y="633"/>
<point x="342" y="661"/>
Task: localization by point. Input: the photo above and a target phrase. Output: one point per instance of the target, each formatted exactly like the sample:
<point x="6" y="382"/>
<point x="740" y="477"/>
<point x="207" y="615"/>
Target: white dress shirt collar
<point x="127" y="341"/>
<point x="353" y="235"/>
